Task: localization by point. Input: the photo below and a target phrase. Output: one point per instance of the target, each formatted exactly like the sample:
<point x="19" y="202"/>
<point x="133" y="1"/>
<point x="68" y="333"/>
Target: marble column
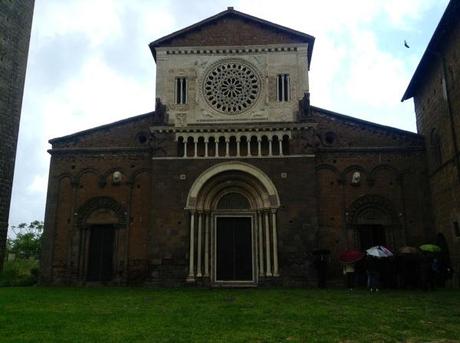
<point x="227" y="146"/>
<point x="275" y="244"/>
<point x="198" y="262"/>
<point x="267" y="244"/>
<point x="191" y="268"/>
<point x="206" y="244"/>
<point x="261" y="244"/>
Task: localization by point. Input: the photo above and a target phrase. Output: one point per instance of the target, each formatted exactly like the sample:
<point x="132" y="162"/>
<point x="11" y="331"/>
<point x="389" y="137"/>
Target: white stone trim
<point x="229" y="166"/>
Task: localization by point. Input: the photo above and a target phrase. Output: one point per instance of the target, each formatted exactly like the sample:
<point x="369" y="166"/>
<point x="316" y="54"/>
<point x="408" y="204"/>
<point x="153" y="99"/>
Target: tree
<point x="27" y="241"/>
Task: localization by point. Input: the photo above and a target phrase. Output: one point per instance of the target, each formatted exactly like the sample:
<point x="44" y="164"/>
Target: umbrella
<point x="351" y="256"/>
<point x="379" y="251"/>
<point x="408" y="250"/>
<point x="430" y="248"/>
<point x="319" y="252"/>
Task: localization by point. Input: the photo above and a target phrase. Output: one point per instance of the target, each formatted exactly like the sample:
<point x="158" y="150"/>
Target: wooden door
<point x="100" y="254"/>
<point x="234" y="249"/>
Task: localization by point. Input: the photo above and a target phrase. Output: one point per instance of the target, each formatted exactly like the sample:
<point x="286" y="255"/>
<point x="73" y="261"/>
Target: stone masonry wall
<point x="15" y="27"/>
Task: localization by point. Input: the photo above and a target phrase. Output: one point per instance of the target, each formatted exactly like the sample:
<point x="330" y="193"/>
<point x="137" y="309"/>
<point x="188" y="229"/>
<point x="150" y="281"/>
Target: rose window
<point x="231" y="87"/>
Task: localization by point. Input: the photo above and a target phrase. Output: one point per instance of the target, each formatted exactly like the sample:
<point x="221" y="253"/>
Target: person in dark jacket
<point x="373" y="273"/>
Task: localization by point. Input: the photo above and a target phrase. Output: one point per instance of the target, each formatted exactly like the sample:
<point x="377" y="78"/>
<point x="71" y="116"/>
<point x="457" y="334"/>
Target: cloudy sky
<point x="89" y="64"/>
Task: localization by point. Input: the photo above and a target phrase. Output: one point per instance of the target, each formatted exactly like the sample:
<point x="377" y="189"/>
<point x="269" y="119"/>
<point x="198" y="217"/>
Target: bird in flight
<point x="406" y="45"/>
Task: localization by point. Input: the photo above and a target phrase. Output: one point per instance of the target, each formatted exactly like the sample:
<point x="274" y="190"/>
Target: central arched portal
<point x="233" y="225"/>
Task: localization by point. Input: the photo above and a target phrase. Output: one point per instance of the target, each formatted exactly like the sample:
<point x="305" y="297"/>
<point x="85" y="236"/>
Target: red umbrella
<point x="351" y="256"/>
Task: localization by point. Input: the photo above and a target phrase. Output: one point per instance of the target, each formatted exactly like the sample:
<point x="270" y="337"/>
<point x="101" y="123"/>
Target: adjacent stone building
<point x="15" y="27"/>
<point x="234" y="179"/>
<point x="435" y="88"/>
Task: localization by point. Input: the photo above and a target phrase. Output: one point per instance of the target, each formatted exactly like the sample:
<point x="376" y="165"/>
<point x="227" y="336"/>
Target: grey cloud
<point x="60" y="58"/>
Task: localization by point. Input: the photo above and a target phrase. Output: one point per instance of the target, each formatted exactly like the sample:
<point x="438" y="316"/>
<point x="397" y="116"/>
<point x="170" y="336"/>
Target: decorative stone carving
<point x="181" y="119"/>
<point x="97" y="204"/>
<point x="117" y="177"/>
<point x="231" y="87"/>
<point x="356" y="178"/>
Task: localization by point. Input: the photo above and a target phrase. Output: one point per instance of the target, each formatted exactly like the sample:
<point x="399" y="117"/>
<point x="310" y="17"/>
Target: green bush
<point x="20" y="272"/>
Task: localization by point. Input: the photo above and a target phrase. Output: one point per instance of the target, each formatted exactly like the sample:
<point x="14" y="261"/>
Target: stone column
<point x="198" y="262"/>
<point x="280" y="142"/>
<point x="248" y="143"/>
<point x="267" y="244"/>
<point x="206" y="244"/>
<point x="185" y="147"/>
<point x="191" y="267"/>
<point x="195" y="143"/>
<point x="216" y="142"/>
<point x="261" y="244"/>
<point x="227" y="146"/>
<point x="259" y="146"/>
<point x="275" y="244"/>
<point x="270" y="150"/>
<point x="238" y="141"/>
<point x="206" y="142"/>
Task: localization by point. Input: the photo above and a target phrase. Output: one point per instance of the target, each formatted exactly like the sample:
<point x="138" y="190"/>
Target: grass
<point x="234" y="315"/>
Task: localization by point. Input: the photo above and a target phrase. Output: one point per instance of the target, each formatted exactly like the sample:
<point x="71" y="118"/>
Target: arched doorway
<point x="233" y="225"/>
<point x="373" y="221"/>
<point x="99" y="221"/>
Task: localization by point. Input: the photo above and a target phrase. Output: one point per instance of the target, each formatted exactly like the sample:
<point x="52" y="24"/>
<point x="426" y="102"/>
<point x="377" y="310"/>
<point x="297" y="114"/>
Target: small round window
<point x="142" y="137"/>
<point x="330" y="138"/>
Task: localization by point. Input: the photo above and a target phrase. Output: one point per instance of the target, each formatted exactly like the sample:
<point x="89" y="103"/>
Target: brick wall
<point x="315" y="196"/>
<point x="432" y="116"/>
<point x="15" y="27"/>
<point x="232" y="31"/>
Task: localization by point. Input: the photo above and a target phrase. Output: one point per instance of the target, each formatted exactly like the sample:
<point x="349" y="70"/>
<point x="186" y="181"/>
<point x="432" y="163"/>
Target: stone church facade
<point x="234" y="179"/>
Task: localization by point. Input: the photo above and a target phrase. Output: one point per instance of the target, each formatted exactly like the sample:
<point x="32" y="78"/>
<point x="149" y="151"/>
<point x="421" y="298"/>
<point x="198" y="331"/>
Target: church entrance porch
<point x="234" y="249"/>
<point x="233" y="226"/>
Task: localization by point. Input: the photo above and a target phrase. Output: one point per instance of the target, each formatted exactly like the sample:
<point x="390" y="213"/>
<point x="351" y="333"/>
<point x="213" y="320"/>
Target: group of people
<point x="407" y="271"/>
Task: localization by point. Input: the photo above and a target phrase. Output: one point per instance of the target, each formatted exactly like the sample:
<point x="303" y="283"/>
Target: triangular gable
<point x="231" y="28"/>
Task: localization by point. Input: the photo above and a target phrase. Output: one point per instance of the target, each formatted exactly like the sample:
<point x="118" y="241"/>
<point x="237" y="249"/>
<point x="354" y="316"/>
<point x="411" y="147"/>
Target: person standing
<point x="372" y="274"/>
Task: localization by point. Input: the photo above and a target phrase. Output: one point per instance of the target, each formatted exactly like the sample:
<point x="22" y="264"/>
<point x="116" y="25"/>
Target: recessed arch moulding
<point x="232" y="177"/>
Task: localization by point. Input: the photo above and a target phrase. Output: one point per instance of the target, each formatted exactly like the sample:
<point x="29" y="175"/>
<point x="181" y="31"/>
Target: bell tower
<point x="15" y="28"/>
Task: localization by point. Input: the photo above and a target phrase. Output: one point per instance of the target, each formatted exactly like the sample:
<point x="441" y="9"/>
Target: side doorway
<point x="100" y="253"/>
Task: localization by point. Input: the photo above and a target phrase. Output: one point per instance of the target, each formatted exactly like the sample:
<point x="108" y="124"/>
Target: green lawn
<point x="236" y="315"/>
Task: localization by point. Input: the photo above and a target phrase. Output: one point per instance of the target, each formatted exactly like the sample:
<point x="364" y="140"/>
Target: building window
<point x="181" y="90"/>
<point x="456" y="230"/>
<point x="282" y="86"/>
